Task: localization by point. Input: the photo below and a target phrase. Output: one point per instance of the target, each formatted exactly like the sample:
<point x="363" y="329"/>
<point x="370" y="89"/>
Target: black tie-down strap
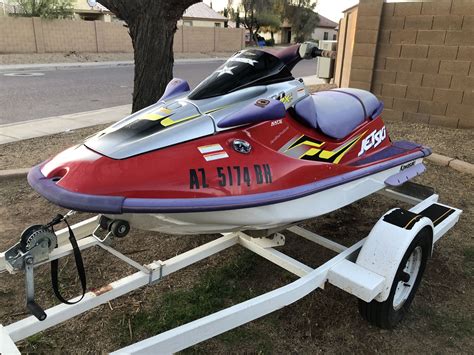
<point x="79" y="263"/>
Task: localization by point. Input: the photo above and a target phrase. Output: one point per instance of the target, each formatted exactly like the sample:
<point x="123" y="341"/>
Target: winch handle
<point x="36" y="310"/>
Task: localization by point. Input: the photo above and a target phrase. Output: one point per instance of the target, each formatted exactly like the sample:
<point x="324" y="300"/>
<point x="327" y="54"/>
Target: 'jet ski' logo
<point x="373" y="140"/>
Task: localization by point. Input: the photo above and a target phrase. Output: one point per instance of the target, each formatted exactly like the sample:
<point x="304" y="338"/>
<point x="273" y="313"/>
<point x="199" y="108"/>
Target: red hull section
<point x="210" y="167"/>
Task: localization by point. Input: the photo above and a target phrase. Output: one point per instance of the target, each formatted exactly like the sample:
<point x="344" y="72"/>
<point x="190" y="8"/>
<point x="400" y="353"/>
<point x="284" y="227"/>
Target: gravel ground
<point x="440" y="321"/>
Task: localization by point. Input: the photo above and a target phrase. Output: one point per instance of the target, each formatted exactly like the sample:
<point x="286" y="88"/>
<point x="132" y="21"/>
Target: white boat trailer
<point x="363" y="269"/>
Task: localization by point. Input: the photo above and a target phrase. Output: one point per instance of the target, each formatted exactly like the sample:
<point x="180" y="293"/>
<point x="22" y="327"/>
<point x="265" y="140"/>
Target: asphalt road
<point x="60" y="92"/>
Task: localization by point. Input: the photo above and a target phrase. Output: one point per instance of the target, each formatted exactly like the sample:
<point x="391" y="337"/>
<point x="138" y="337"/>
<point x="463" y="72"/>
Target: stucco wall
<point x="318" y="33"/>
<point x="418" y="58"/>
<point x="35" y="35"/>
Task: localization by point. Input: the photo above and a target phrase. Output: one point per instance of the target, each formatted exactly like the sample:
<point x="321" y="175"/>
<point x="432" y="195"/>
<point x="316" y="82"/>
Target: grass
<point x="215" y="290"/>
<point x="36" y="341"/>
<point x="445" y="323"/>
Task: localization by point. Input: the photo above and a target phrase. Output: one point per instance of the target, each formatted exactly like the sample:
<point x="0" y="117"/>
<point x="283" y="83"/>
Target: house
<point x="326" y="30"/>
<point x="198" y="15"/>
<point x="91" y="10"/>
<point x="201" y="15"/>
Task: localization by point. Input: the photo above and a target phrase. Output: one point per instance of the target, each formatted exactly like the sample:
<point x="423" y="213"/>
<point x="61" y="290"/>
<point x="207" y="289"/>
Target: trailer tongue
<point x="364" y="269"/>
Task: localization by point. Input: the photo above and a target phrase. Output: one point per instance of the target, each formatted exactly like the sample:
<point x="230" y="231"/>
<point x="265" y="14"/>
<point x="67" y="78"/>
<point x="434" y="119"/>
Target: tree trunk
<point x="153" y="45"/>
<point x="152" y="25"/>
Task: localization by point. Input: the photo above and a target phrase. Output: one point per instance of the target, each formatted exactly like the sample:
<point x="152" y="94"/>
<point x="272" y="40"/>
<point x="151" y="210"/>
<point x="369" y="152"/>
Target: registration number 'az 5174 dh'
<point x="225" y="176"/>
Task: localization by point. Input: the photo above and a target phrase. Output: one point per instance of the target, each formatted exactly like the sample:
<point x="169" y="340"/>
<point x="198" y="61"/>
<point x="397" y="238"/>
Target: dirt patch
<point x="452" y="142"/>
<point x="441" y="319"/>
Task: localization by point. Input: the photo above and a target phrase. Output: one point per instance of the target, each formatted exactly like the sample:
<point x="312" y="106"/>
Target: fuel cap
<point x="241" y="146"/>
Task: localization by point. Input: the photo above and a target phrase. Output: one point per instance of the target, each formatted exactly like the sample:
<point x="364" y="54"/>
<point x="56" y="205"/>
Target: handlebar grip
<point x="323" y="53"/>
<point x="329" y="54"/>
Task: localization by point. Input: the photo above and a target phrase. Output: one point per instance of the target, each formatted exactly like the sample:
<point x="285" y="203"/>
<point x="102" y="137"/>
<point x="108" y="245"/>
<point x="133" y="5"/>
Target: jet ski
<point x="249" y="148"/>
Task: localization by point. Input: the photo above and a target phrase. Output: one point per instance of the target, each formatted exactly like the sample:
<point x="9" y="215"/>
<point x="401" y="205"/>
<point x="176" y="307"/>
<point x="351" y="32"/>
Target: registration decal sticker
<point x="213" y="152"/>
<point x="215" y="156"/>
<point x="210" y="148"/>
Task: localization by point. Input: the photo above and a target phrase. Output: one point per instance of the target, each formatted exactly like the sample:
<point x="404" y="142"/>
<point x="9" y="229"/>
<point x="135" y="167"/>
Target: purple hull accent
<point x="259" y="111"/>
<point x="116" y="204"/>
<point x="73" y="200"/>
<point x="175" y="86"/>
<point x="407" y="145"/>
<point x="395" y="149"/>
<point x="405" y="174"/>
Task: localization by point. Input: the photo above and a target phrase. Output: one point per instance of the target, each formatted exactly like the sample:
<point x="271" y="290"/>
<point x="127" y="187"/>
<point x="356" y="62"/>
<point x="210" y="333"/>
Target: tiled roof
<point x="201" y="10"/>
<point x="325" y="22"/>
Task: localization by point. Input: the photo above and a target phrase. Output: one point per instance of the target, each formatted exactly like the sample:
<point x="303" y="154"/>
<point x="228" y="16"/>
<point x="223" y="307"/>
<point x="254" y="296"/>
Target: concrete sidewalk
<point x="8" y="68"/>
<point x="46" y="126"/>
<point x="13" y="132"/>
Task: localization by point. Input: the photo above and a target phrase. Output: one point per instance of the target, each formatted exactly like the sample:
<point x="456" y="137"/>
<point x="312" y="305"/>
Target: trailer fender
<point x="388" y="241"/>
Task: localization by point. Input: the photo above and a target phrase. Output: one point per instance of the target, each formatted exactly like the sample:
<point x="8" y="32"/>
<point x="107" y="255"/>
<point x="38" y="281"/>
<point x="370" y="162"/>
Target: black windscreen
<point x="247" y="68"/>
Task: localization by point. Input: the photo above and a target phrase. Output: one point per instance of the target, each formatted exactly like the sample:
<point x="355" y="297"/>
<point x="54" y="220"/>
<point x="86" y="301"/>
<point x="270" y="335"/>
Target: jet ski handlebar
<point x="291" y="55"/>
<point x="308" y="50"/>
<point x="323" y="53"/>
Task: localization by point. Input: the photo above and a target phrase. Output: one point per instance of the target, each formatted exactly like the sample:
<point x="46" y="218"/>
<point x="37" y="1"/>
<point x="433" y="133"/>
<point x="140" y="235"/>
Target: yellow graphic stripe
<point x="328" y="154"/>
<point x="217" y="109"/>
<point x="307" y="142"/>
<point x="310" y="152"/>
<point x="165" y="110"/>
<point x="169" y="122"/>
<point x="338" y="159"/>
<point x="152" y="117"/>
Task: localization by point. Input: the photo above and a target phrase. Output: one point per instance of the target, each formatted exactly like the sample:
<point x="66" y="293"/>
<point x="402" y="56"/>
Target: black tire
<point x="119" y="228"/>
<point x="384" y="314"/>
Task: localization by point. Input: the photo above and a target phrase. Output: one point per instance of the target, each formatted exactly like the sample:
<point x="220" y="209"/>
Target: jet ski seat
<point x="338" y="112"/>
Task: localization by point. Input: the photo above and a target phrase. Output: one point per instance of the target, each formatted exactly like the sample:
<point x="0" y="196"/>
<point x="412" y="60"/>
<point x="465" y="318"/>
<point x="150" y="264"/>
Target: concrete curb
<point x="13" y="173"/>
<point x="438" y="159"/>
<point x="8" y="68"/>
<point x="456" y="164"/>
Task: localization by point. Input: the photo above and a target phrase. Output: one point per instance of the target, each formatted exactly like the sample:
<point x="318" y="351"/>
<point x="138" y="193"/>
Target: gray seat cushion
<point x="338" y="112"/>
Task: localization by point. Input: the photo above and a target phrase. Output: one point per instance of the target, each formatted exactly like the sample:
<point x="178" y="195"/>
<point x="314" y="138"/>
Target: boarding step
<point x="444" y="217"/>
<point x="356" y="280"/>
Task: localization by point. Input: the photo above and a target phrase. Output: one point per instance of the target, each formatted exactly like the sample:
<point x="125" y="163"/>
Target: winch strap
<point x="79" y="265"/>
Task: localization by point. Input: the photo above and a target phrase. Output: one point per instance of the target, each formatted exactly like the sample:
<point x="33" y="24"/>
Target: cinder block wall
<point x="422" y="67"/>
<point x="35" y="35"/>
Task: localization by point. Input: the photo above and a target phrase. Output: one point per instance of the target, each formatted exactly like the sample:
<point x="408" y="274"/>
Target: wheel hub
<point x="407" y="279"/>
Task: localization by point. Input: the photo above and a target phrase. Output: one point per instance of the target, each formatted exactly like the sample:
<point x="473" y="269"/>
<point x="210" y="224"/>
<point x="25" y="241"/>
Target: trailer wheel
<point x="389" y="313"/>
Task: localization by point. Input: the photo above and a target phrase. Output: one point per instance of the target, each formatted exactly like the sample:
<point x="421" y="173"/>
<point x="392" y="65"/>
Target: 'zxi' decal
<point x="373" y="140"/>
